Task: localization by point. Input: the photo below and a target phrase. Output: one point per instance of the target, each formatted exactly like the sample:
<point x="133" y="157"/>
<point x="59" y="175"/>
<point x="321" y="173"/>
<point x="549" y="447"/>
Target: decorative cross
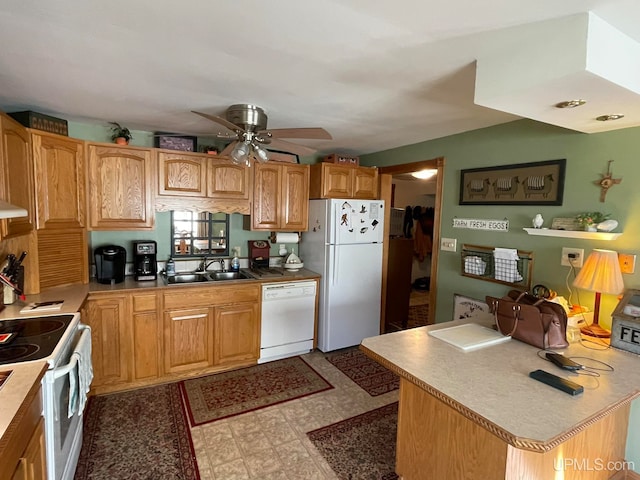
<point x="607" y="182"/>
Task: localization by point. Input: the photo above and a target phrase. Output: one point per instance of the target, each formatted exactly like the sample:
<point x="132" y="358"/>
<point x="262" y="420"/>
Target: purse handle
<point x="516" y="311"/>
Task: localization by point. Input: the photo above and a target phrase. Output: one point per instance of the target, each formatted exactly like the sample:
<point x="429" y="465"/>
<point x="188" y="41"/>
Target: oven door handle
<point x="75" y="356"/>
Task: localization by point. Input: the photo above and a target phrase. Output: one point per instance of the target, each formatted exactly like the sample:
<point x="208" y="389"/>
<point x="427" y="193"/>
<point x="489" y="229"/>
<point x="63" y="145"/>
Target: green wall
<point x="528" y="141"/>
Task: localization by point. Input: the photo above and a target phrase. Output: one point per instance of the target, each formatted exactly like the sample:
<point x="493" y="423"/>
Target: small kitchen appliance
<point x="110" y="263"/>
<point x="258" y="254"/>
<point x="145" y="266"/>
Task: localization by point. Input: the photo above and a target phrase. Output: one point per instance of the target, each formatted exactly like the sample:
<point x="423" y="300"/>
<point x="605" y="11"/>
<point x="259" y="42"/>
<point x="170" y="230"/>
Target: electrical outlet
<point x="627" y="263"/>
<point x="448" y="244"/>
<point x="576" y="261"/>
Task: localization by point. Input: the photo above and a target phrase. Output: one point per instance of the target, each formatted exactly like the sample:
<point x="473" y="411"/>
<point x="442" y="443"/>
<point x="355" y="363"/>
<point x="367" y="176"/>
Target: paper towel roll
<point x="284" y="237"/>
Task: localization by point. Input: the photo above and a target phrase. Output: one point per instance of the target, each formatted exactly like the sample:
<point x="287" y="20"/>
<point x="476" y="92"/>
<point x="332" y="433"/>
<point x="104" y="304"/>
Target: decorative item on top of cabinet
<point x="201" y="182"/>
<point x="329" y="180"/>
<point x="280" y="197"/>
<point x="120" y="193"/>
<point x="16" y="163"/>
<point x="119" y="134"/>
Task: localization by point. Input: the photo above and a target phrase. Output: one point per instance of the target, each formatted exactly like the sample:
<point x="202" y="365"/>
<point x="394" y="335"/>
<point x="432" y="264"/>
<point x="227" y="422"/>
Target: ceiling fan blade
<point x="310" y="133"/>
<point x="228" y="148"/>
<point x="225" y="123"/>
<point x="289" y="147"/>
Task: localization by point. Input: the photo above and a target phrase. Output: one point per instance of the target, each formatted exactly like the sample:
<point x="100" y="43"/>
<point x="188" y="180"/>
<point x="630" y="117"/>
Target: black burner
<point x="37" y="337"/>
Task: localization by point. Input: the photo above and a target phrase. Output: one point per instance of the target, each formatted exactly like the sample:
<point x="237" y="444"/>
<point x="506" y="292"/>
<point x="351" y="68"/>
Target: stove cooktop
<point x="35" y="338"/>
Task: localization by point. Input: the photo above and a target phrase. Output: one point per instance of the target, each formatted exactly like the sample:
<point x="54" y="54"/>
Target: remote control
<point x="554" y="381"/>
<point x="563" y="362"/>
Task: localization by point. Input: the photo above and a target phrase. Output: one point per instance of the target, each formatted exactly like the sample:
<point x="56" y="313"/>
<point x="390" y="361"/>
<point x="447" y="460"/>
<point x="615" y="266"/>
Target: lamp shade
<point x="601" y="273"/>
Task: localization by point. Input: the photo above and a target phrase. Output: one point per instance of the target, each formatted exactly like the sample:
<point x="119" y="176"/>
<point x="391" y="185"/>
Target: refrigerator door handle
<point x="336" y="262"/>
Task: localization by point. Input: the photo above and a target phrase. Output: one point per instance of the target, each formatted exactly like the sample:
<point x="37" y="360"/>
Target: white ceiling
<point x="375" y="74"/>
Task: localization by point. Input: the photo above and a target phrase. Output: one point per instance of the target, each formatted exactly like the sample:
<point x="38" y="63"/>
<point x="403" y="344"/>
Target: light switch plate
<point x="448" y="244"/>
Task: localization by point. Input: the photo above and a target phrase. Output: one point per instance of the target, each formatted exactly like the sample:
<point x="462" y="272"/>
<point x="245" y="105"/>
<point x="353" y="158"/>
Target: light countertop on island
<point x="492" y="387"/>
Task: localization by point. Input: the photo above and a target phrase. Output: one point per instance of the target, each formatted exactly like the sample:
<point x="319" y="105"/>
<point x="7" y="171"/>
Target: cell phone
<point x="563" y="362"/>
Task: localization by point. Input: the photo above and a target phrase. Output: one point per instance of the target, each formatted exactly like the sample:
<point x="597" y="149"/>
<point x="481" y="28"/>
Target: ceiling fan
<point x="250" y="137"/>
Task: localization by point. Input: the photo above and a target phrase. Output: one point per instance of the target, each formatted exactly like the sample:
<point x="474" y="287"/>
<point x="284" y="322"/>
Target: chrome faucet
<point x="222" y="267"/>
<point x="204" y="264"/>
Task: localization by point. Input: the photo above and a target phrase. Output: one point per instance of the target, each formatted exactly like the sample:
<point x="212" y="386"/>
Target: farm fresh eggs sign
<point x="481" y="224"/>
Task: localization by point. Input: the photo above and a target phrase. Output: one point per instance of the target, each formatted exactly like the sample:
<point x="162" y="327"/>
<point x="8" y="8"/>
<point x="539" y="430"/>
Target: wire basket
<point x="479" y="262"/>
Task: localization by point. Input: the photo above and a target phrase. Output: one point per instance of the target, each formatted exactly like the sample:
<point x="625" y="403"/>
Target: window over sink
<point x="197" y="234"/>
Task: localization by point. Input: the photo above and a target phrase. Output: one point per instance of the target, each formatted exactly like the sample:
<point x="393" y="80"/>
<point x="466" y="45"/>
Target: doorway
<point x="398" y="286"/>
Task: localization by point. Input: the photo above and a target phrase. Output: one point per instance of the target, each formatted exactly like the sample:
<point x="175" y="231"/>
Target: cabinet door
<point x="120" y="192"/>
<point x="295" y="198"/>
<point x="146" y="337"/>
<point x="59" y="181"/>
<point x="226" y="180"/>
<point x="337" y="181"/>
<point x="181" y="174"/>
<point x="236" y="333"/>
<point x="108" y="320"/>
<point x="365" y="183"/>
<point x="266" y="196"/>
<point x="17" y="168"/>
<point x="187" y="339"/>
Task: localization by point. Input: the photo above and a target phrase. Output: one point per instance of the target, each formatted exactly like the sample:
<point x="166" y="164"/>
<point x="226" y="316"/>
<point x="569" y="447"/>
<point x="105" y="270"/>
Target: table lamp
<point x="600" y="274"/>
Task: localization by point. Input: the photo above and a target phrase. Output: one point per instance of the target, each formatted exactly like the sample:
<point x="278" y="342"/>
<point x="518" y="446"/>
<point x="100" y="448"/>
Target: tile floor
<point x="271" y="443"/>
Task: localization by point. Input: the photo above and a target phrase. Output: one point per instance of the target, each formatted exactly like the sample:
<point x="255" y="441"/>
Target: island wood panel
<point x="434" y="438"/>
<point x="33" y="463"/>
<point x="59" y="181"/>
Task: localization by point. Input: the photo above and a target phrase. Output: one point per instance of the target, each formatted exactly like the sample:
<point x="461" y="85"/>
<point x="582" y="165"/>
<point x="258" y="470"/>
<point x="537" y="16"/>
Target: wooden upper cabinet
<point x="120" y="187"/>
<point x="59" y="180"/>
<point x="17" y="167"/>
<point x="181" y="174"/>
<point x="280" y="197"/>
<point x="202" y="182"/>
<point x="329" y="180"/>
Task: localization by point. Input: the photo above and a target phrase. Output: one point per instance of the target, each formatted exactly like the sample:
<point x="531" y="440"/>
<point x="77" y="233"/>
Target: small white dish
<point x="607" y="225"/>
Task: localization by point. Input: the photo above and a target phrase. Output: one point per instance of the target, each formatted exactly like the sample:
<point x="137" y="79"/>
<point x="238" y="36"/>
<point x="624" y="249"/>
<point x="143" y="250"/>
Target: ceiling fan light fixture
<point x="424" y="174"/>
<point x="261" y="154"/>
<point x="571" y="103"/>
<point x="613" y="116"/>
<point x="240" y="153"/>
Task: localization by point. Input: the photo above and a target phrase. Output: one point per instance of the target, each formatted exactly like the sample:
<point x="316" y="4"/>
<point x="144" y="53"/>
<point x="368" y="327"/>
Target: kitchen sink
<point x="198" y="277"/>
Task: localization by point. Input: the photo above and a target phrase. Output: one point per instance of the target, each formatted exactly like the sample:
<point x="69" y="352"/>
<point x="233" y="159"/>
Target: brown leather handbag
<point x="530" y="319"/>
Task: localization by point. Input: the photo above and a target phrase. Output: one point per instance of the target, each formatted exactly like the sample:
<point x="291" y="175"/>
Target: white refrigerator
<point x="344" y="245"/>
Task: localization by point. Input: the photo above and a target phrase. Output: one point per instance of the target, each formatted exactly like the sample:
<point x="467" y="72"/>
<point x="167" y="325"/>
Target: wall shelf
<point x="546" y="232"/>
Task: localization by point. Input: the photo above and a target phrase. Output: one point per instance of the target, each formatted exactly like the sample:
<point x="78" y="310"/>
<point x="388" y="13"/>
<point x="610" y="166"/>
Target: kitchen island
<point x="478" y="415"/>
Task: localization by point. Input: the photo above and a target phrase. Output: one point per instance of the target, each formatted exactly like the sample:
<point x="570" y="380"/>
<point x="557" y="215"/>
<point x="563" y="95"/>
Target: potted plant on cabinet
<point x="119" y="134"/>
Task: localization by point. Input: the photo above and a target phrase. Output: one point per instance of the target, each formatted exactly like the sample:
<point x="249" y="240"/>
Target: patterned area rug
<point x="362" y="447"/>
<point x="418" y="316"/>
<point x="367" y="373"/>
<point x="226" y="394"/>
<point x="138" y="434"/>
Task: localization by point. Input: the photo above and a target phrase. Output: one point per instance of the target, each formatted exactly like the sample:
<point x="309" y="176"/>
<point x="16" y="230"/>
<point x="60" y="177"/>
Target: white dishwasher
<point x="288" y="316"/>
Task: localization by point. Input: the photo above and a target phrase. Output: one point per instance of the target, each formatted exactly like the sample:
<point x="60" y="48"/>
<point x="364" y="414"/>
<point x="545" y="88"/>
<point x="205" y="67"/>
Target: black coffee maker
<point x="110" y="263"/>
<point x="145" y="266"/>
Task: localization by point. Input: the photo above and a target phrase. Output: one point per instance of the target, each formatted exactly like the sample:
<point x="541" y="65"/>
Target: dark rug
<point x="365" y="372"/>
<point x="362" y="447"/>
<point x="141" y="434"/>
<point x="231" y="393"/>
<point x="418" y="316"/>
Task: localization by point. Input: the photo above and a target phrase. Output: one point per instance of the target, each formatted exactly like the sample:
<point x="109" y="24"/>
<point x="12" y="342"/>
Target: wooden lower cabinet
<point x="110" y="339"/>
<point x="146" y="337"/>
<point x="156" y="335"/>
<point x="236" y="333"/>
<point x="32" y="464"/>
<point x="187" y="339"/>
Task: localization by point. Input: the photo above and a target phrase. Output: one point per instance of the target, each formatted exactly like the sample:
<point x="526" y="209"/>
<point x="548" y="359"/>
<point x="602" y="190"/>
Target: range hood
<point x="11" y="211"/>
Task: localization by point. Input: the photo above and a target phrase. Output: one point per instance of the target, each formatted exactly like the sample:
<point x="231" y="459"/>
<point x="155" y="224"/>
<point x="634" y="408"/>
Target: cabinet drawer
<point x="214" y="295"/>
<point x="144" y="303"/>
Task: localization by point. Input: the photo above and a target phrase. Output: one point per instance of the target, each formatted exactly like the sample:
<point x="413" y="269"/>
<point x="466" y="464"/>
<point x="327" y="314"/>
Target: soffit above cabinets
<point x="579" y="57"/>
